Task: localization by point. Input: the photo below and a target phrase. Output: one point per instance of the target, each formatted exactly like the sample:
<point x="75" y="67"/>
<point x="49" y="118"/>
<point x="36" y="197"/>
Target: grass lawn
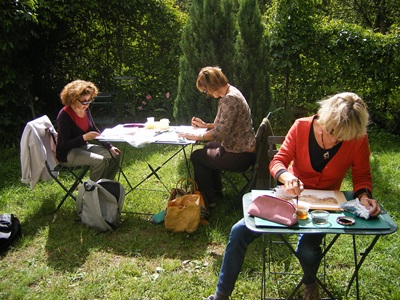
<point x="59" y="258"/>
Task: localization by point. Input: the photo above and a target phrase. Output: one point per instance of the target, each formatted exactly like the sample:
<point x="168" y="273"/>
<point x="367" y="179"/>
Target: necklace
<point x="326" y="154"/>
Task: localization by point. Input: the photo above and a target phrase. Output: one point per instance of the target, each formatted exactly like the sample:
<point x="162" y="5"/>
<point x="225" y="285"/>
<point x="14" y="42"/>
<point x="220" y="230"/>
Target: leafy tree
<point x="207" y="39"/>
<point x="366" y="63"/>
<point x="252" y="60"/>
<point x="17" y="20"/>
<point x="377" y="15"/>
<point x="320" y="57"/>
<point x="291" y="33"/>
<point x="99" y="40"/>
<point x="49" y="43"/>
<point x="318" y="47"/>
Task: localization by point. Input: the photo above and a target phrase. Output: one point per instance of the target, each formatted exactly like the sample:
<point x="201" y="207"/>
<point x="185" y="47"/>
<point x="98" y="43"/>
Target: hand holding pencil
<point x="197" y="122"/>
<point x="292" y="184"/>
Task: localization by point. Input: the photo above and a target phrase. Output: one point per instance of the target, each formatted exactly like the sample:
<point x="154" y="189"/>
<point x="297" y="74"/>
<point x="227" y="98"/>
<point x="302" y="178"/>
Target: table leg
<point x="121" y="170"/>
<point x="320" y="283"/>
<point x="359" y="263"/>
<point x="189" y="175"/>
<point x="263" y="269"/>
<point x="155" y="170"/>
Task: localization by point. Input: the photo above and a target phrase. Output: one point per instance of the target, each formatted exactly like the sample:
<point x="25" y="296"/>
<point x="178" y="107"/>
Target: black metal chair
<point x="256" y="176"/>
<point x="38" y="162"/>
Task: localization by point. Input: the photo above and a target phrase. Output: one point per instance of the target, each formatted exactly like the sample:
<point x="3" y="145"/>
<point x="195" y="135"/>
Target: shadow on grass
<point x="164" y="163"/>
<point x="69" y="243"/>
<point x="385" y="187"/>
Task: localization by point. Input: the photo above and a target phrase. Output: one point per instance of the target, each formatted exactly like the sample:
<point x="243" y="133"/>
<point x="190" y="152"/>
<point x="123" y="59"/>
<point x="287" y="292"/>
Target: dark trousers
<point x="210" y="161"/>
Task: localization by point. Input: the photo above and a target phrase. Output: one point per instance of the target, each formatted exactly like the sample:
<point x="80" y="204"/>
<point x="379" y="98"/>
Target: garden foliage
<point x="280" y="53"/>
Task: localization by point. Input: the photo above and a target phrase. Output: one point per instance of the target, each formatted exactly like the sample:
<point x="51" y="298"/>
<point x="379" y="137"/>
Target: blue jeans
<point x="308" y="249"/>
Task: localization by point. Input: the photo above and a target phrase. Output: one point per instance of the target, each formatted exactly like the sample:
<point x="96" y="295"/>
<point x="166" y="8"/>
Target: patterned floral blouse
<point x="233" y="123"/>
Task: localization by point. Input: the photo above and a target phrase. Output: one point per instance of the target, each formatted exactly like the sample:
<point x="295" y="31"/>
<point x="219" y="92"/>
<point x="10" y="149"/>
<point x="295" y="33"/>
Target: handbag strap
<point x="187" y="184"/>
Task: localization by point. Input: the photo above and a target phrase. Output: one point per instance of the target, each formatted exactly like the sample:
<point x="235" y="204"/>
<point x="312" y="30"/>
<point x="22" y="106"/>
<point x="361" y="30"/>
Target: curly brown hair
<point x="75" y="89"/>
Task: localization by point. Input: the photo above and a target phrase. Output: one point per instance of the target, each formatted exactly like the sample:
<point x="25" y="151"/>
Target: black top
<point x="319" y="156"/>
<point x="70" y="135"/>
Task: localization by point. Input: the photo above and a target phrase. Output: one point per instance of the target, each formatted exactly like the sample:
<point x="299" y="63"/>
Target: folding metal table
<point x="121" y="134"/>
<point x="379" y="226"/>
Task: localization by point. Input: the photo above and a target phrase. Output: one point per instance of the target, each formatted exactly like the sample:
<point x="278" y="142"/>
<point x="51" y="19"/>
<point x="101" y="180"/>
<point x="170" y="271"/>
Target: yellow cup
<point x="302" y="212"/>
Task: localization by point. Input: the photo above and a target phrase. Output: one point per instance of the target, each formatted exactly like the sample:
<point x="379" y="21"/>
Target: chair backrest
<point x="37" y="148"/>
<point x="260" y="178"/>
<point x="273" y="140"/>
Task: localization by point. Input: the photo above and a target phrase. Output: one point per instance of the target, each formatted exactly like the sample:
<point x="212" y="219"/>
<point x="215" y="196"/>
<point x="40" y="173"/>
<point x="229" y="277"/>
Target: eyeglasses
<point x="332" y="134"/>
<point x="87" y="102"/>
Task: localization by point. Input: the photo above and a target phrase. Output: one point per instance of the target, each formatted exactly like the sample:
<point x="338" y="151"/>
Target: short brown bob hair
<point x="210" y="79"/>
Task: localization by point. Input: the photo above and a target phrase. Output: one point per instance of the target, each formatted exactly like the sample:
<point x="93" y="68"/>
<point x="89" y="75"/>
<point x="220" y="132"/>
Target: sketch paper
<point x="316" y="199"/>
<point x="319" y="199"/>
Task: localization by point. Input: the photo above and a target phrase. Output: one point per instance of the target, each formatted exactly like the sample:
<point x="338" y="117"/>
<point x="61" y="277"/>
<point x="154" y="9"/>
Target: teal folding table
<point x="379" y="226"/>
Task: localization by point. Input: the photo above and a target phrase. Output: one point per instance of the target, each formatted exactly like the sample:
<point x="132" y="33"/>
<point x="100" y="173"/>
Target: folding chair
<point x="38" y="162"/>
<point x="272" y="150"/>
<point x="256" y="176"/>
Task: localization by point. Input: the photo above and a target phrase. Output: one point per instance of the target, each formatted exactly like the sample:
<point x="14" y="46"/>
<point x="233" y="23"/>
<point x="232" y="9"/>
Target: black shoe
<point x="311" y="292"/>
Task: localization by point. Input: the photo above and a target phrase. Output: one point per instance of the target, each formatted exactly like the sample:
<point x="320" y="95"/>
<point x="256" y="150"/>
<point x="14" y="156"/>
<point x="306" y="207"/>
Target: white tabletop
<point x="137" y="135"/>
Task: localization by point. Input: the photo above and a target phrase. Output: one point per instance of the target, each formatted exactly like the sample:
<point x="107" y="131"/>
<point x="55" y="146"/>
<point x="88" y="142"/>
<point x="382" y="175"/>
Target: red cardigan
<point x="352" y="154"/>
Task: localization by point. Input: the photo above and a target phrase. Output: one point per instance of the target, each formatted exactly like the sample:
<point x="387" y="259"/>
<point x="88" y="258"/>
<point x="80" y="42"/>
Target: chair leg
<point x="242" y="191"/>
<point x="69" y="192"/>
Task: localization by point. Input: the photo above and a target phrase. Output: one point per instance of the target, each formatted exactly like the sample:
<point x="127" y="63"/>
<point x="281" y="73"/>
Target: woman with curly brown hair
<point x="76" y="128"/>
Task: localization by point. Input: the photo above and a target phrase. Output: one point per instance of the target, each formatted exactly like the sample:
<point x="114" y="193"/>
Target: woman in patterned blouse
<point x="230" y="138"/>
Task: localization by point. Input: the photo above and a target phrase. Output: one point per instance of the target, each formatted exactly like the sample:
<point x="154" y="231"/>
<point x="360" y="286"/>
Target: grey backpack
<point x="99" y="204"/>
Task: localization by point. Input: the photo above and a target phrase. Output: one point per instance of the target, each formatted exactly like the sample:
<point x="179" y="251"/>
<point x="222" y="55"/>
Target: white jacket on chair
<point x="37" y="147"/>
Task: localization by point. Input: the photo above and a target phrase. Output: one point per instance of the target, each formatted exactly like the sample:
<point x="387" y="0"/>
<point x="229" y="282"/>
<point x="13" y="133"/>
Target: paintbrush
<point x="297" y="196"/>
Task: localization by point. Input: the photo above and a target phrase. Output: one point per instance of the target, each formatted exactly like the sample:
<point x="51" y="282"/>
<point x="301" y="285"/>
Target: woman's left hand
<point x="190" y="136"/>
<point x="371" y="205"/>
<point x="115" y="151"/>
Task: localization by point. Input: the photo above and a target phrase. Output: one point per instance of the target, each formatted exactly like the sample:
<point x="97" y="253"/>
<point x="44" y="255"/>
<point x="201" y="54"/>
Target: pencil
<point x="297" y="196"/>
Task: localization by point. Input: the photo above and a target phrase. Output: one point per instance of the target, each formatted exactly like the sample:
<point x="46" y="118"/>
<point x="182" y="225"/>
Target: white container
<point x="150" y="124"/>
<point x="164" y="124"/>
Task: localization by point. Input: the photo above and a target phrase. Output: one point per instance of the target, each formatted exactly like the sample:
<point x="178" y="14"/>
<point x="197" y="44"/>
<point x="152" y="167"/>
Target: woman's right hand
<point x="292" y="184"/>
<point x="91" y="135"/>
<point x="197" y="122"/>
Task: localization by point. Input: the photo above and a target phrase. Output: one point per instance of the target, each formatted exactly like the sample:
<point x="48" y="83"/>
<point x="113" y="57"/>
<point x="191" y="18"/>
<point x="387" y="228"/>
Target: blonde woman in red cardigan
<point x="316" y="154"/>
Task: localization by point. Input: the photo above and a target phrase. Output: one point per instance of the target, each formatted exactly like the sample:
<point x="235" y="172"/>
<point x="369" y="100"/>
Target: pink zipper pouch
<point x="273" y="209"/>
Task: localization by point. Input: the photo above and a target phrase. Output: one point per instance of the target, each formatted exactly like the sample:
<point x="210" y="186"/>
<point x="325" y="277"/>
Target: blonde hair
<point x="210" y="79"/>
<point x="75" y="89"/>
<point x="344" y="116"/>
